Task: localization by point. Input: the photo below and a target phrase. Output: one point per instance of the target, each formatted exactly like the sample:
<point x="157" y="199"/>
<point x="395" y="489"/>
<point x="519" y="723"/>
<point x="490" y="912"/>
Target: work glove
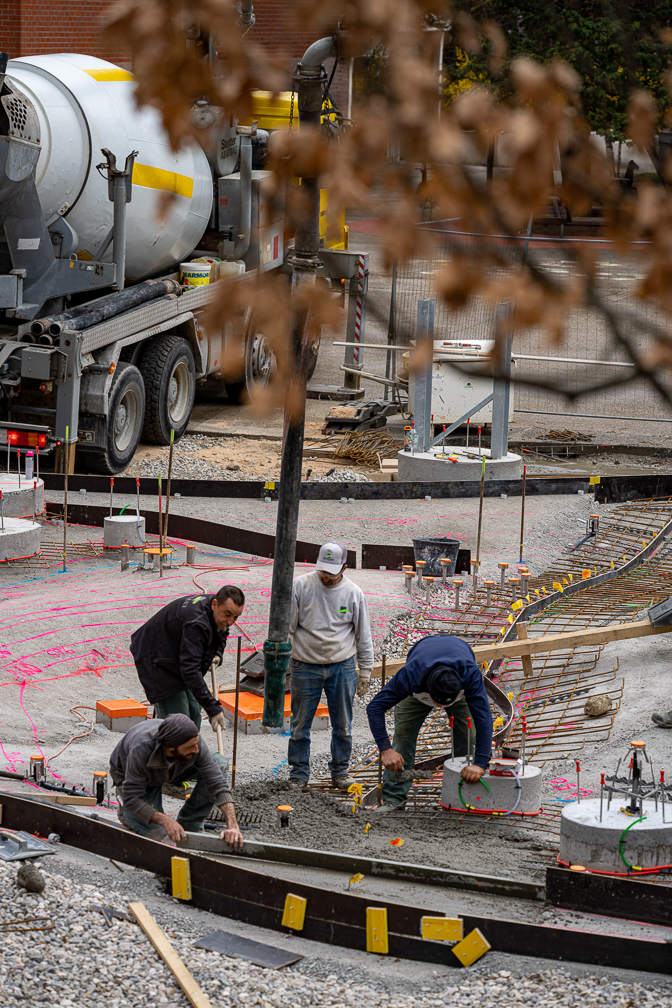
<point x="362" y="686"/>
<point x="217" y="721"/>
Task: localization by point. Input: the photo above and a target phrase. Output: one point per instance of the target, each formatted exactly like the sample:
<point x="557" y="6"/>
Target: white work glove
<point x="362" y="686"/>
<point x="218" y="722"/>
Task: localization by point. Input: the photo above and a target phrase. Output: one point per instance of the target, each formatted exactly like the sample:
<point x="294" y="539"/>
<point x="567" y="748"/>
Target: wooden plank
<point x="551" y="642"/>
<point x="572" y="639"/>
<point x="65" y="799"/>
<point x="192" y="991"/>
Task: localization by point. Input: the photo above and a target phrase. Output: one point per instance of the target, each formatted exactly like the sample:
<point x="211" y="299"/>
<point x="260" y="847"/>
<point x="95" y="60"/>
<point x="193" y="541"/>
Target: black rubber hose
<point x="106" y="307"/>
<point x="62" y="789"/>
<point x="12" y="776"/>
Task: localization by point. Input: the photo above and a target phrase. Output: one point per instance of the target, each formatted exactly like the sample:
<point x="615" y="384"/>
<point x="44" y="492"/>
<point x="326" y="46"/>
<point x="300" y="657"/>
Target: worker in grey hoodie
<point x="329" y="625"/>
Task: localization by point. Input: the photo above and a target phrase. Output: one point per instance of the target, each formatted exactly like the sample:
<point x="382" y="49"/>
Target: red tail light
<point x="26" y="439"/>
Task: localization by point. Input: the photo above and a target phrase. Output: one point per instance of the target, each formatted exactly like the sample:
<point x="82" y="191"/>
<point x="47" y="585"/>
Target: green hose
<point x="629" y="866"/>
<point x="124" y="508"/>
<point x="459" y="791"/>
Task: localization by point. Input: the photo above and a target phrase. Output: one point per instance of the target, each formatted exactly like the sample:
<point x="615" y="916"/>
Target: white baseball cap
<point x="331" y="558"/>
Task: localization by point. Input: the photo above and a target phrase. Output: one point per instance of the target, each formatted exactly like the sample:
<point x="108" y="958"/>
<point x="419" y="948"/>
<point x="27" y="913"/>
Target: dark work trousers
<point x="409" y="716"/>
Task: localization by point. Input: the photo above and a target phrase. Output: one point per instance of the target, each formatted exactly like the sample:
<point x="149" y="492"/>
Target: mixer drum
<point x="84" y="104"/>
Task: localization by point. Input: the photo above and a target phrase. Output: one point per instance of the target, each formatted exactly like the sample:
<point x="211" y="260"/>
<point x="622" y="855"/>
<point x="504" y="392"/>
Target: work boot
<point x="384" y="808"/>
<point x="343" y="782"/>
<point x="663" y="720"/>
<point x="298" y="784"/>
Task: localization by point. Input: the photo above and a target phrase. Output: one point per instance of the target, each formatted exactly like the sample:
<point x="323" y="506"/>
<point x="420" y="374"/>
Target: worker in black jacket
<point x="174" y="650"/>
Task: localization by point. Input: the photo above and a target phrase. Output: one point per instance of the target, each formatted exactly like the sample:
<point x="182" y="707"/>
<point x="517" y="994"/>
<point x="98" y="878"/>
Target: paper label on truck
<point x="28" y="243"/>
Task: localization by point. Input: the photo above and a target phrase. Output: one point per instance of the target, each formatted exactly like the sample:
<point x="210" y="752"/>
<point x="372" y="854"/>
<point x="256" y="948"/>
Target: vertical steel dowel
<point x="65" y="497"/>
<point x="380" y="761"/>
<point x="234" y="753"/>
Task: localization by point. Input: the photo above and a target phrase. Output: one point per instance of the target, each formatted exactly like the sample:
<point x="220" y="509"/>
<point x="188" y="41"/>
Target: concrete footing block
<point x="21" y="502"/>
<point x="120" y="529"/>
<point x="584" y="840"/>
<point x="19" y="539"/>
<point x="500" y="794"/>
<point x="430" y="467"/>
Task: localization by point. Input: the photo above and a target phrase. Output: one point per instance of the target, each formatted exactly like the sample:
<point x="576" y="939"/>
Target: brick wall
<point x="34" y="27"/>
<point x="31" y="28"/>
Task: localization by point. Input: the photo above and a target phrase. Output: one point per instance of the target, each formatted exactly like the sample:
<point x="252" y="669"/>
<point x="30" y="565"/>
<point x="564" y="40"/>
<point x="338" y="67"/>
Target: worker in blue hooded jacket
<point x="440" y="672"/>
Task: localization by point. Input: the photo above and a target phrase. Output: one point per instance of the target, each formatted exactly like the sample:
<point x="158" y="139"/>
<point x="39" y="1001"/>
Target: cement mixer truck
<point x="102" y="338"/>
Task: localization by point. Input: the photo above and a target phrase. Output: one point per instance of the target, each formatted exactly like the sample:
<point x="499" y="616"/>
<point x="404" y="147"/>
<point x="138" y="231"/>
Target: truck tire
<point x="259" y="365"/>
<point x="169" y="373"/>
<point x="124" y="424"/>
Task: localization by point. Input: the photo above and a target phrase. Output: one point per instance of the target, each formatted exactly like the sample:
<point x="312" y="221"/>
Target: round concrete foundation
<point x="584" y="840"/>
<point x="19" y="539"/>
<point x="120" y="530"/>
<point x="19" y="502"/>
<point x="501" y="796"/>
<point x="431" y="467"/>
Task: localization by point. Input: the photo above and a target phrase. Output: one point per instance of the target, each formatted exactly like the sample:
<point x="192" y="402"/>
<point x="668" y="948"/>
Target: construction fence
<point x="588" y="354"/>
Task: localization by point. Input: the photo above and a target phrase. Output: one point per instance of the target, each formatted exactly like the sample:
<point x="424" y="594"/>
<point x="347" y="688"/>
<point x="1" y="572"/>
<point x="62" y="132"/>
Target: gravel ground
<point x="199" y="456"/>
<point x="82" y="962"/>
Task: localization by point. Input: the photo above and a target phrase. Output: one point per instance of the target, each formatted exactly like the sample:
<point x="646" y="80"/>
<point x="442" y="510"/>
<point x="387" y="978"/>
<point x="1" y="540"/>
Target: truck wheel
<point x="124" y="423"/>
<point x="168" y="369"/>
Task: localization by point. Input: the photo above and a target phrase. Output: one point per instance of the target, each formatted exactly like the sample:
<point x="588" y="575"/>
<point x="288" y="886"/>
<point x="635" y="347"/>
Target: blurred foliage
<point x="613" y="47"/>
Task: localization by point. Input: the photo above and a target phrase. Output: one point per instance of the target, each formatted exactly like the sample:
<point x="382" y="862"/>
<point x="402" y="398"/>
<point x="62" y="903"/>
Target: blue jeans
<point x="339" y="682"/>
<point x="192" y="815"/>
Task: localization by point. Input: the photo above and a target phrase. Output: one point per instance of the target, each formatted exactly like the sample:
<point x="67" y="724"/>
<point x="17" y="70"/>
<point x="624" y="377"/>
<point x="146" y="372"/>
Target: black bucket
<point x="432" y="550"/>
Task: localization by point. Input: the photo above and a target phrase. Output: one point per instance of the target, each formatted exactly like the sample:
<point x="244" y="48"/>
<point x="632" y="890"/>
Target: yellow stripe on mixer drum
<point x="158" y="178"/>
<point x="110" y="75"/>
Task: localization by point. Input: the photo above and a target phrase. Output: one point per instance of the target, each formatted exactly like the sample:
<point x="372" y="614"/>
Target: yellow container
<point x="195" y="274"/>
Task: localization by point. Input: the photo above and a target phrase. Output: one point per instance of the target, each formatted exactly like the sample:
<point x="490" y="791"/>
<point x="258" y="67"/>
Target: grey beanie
<point x="175" y="730"/>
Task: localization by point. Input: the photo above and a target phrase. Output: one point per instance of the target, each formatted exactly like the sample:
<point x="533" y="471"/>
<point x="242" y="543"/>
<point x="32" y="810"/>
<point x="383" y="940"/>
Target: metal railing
<point x="586" y="355"/>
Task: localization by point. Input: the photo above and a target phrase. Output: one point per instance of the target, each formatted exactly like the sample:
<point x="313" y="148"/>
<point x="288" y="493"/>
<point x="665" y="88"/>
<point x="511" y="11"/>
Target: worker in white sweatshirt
<point x="329" y="625"/>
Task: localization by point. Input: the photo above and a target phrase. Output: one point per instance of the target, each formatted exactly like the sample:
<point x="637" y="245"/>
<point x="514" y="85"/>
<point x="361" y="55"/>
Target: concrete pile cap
<point x="20" y="538"/>
<point x="492" y="792"/>
<point x="19" y="501"/>
<point x="586" y="841"/>
<point x="120" y="530"/>
<point x="425" y="466"/>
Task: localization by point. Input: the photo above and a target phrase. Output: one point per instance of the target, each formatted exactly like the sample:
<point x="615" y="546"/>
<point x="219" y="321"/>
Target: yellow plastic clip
<point x="355" y="879"/>
<point x="471" y="948"/>
<point x="376" y="930"/>
<point x="558" y="586"/>
<point x="181" y="877"/>
<point x="442" y="928"/>
<point x="517" y="605"/>
<point x="294" y="913"/>
<point x="593" y="480"/>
